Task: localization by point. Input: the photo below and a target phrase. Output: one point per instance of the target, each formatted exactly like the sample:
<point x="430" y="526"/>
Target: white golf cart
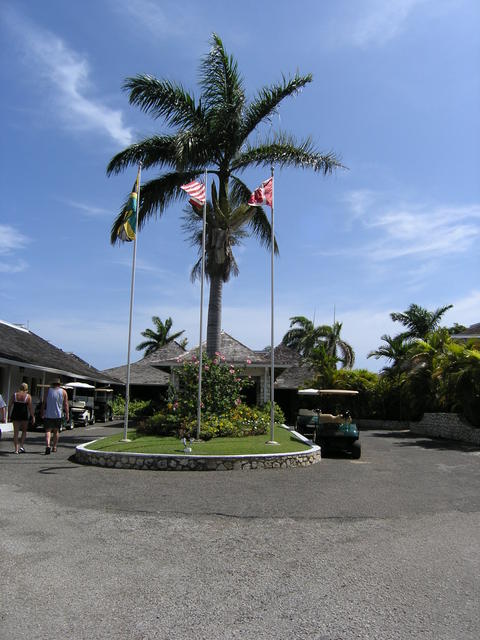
<point x="81" y="400"/>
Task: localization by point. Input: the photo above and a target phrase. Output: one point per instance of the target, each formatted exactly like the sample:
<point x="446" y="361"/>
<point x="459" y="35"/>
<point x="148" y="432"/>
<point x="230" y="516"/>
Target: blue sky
<point x="395" y="94"/>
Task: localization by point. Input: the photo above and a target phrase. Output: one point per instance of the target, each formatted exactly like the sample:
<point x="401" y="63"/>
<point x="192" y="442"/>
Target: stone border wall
<point x="446" y="425"/>
<point x="169" y="462"/>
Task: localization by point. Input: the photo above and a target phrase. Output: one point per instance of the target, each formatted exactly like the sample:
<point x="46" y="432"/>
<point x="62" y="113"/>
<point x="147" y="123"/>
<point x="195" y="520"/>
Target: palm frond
<point x="154" y="151"/>
<point x="223" y="95"/>
<point x="265" y="105"/>
<point x="162" y="98"/>
<point x="284" y="151"/>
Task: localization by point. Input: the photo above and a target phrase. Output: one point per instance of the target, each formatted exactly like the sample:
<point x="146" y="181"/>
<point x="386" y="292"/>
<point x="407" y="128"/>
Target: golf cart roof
<point x="79" y="385"/>
<point x="109" y="390"/>
<point x="327" y="392"/>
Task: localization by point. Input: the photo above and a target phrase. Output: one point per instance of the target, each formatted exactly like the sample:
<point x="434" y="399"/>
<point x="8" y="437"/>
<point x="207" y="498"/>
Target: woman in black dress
<point x="20" y="407"/>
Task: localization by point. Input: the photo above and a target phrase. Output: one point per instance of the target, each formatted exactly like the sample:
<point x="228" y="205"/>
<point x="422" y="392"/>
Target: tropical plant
<point x="395" y="350"/>
<point x="159" y="336"/>
<point x="336" y="346"/>
<point x="419" y="321"/>
<point x="222" y="387"/>
<point x="304" y="337"/>
<point x="213" y="133"/>
<point x="457" y="374"/>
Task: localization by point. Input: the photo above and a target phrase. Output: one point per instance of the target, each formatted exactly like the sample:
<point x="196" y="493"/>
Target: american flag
<point x="262" y="195"/>
<point x="196" y="191"/>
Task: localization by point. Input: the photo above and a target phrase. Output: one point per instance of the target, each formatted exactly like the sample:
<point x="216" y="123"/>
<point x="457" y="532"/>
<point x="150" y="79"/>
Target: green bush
<point x="136" y="408"/>
<point x="278" y="415"/>
<point x="222" y="387"/>
<point x="240" y="421"/>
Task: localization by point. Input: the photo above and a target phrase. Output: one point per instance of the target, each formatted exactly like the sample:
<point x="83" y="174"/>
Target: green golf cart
<point x="324" y="417"/>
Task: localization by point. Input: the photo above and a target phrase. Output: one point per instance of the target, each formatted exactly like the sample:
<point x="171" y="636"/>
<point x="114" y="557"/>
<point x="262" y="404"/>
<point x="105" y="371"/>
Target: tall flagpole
<point x="272" y="323"/>
<point x="200" y="358"/>
<point x="132" y="290"/>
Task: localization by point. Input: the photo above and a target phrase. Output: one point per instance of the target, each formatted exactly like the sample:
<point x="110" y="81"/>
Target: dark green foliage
<point x="159" y="336"/>
<point x="319" y="343"/>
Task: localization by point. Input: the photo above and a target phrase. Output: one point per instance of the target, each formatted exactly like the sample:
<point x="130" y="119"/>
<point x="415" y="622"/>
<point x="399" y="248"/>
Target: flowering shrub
<point x="240" y="421"/>
<point x="222" y="386"/>
<point x="223" y="412"/>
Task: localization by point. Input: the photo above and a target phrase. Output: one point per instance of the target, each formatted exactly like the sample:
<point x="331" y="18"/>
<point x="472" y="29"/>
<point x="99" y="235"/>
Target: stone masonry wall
<point x="446" y="425"/>
<point x="196" y="463"/>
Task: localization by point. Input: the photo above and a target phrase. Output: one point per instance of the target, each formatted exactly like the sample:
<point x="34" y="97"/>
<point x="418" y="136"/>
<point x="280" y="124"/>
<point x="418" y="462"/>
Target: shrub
<point x="136" y="408"/>
<point x="278" y="415"/>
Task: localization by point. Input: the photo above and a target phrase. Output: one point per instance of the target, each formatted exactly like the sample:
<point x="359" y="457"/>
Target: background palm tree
<point x="159" y="336"/>
<point x="213" y="133"/>
<point x="305" y="338"/>
<point x="396" y="350"/>
<point x="302" y="336"/>
<point x="335" y="346"/>
<point x="419" y="321"/>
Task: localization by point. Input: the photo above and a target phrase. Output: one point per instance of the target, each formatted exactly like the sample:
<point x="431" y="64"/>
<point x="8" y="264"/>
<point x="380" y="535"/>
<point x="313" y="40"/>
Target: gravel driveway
<point x="382" y="548"/>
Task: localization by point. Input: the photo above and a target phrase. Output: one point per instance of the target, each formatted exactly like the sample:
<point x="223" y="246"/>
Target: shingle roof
<point x="24" y="347"/>
<point x="294" y="377"/>
<point x="170" y="350"/>
<point x="142" y="372"/>
<point x="234" y="351"/>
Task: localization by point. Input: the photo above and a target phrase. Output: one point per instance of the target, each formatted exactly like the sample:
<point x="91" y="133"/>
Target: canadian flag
<point x="196" y="191"/>
<point x="262" y="195"/>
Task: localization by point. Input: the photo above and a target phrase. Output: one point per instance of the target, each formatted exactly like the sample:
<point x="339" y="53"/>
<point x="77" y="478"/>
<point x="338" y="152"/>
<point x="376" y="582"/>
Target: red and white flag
<point x="262" y="195"/>
<point x="196" y="191"/>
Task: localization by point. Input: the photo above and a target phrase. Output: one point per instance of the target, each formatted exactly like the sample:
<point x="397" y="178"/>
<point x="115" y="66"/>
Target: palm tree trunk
<point x="214" y="322"/>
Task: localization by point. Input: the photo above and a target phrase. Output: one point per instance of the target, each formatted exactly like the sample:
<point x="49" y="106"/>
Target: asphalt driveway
<point x="384" y="547"/>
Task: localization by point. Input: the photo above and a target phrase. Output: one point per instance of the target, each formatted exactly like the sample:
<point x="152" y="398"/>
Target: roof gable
<point x="18" y="344"/>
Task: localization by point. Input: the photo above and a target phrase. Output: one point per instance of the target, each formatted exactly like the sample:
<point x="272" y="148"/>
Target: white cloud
<point x="12" y="241"/>
<point x="382" y="21"/>
<point x="67" y="74"/>
<point x="160" y="19"/>
<point x="466" y="310"/>
<point x="419" y="231"/>
<point x="376" y="22"/>
<point x="88" y="210"/>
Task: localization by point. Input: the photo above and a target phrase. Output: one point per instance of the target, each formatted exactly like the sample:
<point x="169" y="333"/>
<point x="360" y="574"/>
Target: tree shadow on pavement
<point x="440" y="444"/>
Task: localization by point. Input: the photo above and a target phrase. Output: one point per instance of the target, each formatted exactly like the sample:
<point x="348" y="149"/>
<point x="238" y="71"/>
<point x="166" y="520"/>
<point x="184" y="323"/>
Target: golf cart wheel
<point x="92" y="421"/>
<point x="85" y="421"/>
<point x="70" y="424"/>
<point x="356" y="450"/>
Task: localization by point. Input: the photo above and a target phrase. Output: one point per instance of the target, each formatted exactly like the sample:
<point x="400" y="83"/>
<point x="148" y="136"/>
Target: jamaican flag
<point x="128" y="229"/>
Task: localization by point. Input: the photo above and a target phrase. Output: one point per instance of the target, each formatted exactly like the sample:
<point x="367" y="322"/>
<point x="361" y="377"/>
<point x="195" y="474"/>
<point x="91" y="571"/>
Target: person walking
<point x="54" y="403"/>
<point x="20" y="408"/>
<point x="3" y="412"/>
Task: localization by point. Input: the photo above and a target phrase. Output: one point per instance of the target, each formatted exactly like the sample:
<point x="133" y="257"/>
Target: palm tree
<point x="213" y="133"/>
<point x="396" y="350"/>
<point x="223" y="233"/>
<point x="305" y="338"/>
<point x="419" y="321"/>
<point x="335" y="346"/>
<point x="302" y="336"/>
<point x="159" y="336"/>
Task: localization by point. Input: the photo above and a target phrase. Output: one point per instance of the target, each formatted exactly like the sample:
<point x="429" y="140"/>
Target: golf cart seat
<point x="329" y="417"/>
